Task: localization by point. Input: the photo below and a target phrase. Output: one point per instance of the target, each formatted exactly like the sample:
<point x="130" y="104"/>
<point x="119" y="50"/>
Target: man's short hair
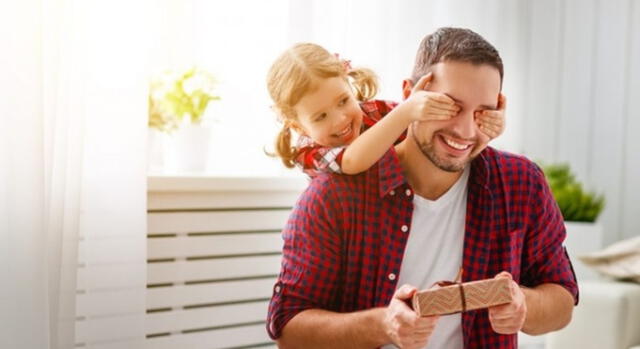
<point x="455" y="44"/>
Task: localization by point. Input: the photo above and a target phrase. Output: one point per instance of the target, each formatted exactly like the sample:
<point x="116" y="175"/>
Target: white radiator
<point x="213" y="255"/>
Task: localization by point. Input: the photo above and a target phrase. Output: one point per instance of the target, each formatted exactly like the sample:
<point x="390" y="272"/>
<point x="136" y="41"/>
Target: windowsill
<point x="209" y="182"/>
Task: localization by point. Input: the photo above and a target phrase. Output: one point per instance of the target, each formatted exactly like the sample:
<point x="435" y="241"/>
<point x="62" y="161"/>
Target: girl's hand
<point x="425" y="105"/>
<point x="492" y="122"/>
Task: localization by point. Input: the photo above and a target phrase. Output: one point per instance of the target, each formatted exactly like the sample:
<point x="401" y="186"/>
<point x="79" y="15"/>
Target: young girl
<point x="313" y="91"/>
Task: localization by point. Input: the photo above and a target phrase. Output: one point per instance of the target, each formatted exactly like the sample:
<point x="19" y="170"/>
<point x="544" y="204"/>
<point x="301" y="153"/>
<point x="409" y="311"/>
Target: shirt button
<point x="277" y="288"/>
<point x="393" y="192"/>
<point x="404" y="228"/>
<point x="392" y="276"/>
<point x="408" y="192"/>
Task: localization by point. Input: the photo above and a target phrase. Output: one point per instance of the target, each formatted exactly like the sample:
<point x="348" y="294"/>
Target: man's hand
<point x="423" y="105"/>
<point x="509" y="318"/>
<point x="403" y="326"/>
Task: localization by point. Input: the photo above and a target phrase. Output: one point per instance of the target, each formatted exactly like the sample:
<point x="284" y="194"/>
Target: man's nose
<point x="465" y="124"/>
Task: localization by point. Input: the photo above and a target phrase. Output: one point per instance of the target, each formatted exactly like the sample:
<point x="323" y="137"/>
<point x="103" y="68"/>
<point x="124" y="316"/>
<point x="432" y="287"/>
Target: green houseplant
<point x="174" y="96"/>
<point x="576" y="204"/>
<point x="179" y="135"/>
<point x="580" y="210"/>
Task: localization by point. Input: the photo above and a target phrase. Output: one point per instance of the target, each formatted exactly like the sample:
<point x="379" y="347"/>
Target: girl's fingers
<point x="492" y="114"/>
<point x="443" y="107"/>
<point x="423" y="82"/>
<point x="490" y="131"/>
<point x="441" y="98"/>
<point x="490" y="118"/>
<point x="490" y="134"/>
<point x="438" y="116"/>
<point x="489" y="126"/>
<point x="490" y="122"/>
<point x="441" y="103"/>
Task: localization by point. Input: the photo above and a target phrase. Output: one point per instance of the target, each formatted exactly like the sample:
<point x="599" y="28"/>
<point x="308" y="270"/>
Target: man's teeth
<point x="456" y="145"/>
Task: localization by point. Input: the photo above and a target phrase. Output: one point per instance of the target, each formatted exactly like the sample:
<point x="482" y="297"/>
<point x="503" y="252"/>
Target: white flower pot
<point x="155" y="151"/>
<point x="583" y="238"/>
<point x="183" y="151"/>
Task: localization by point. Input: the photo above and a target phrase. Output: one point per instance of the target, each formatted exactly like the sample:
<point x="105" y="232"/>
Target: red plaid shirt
<point x="344" y="241"/>
<point x="314" y="159"/>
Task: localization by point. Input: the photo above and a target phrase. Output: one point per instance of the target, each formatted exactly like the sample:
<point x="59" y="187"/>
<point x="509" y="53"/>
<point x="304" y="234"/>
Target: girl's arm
<point x="369" y="147"/>
<point x="421" y="105"/>
<point x="314" y="159"/>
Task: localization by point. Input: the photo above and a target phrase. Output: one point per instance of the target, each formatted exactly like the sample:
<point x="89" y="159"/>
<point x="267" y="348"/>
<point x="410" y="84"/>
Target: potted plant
<point x="178" y="102"/>
<point x="580" y="209"/>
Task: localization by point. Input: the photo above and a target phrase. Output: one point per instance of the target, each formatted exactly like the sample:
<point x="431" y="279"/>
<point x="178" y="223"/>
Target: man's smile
<point x="455" y="146"/>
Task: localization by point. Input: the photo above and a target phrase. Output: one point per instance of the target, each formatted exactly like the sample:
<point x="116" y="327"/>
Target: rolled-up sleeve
<point x="548" y="259"/>
<point x="310" y="258"/>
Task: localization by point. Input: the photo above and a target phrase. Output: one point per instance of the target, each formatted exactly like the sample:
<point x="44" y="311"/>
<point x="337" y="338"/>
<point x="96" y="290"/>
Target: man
<point x="428" y="208"/>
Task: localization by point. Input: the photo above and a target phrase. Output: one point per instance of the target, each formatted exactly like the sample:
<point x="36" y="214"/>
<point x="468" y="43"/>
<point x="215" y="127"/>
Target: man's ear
<point x="407" y="86"/>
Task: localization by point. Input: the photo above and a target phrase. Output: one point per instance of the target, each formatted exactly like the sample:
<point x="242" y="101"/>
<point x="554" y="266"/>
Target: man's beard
<point x="428" y="150"/>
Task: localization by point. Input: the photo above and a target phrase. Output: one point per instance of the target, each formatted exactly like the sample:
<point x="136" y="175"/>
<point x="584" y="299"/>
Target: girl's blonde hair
<point x="296" y="73"/>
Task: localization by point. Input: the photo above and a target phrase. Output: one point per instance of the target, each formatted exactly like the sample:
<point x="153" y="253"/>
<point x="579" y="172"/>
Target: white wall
<point x="583" y="95"/>
<point x="571" y="75"/>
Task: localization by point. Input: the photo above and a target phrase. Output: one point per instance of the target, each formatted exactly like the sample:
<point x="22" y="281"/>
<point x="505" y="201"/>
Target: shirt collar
<point x="480" y="168"/>
<point x="390" y="172"/>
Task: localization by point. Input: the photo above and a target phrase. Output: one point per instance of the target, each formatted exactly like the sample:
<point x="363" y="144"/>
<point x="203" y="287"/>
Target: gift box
<point x="452" y="298"/>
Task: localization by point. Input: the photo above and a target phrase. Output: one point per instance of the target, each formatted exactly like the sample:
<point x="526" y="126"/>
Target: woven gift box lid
<point x="448" y="299"/>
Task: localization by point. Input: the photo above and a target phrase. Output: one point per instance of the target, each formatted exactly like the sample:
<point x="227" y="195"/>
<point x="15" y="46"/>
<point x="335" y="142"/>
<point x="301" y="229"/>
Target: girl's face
<point x="330" y="115"/>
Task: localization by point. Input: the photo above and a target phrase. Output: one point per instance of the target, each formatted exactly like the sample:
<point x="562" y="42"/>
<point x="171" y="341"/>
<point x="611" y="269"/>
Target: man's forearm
<point x="316" y="328"/>
<point x="549" y="308"/>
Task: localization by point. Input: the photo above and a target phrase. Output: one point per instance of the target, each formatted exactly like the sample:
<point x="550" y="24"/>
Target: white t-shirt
<point x="434" y="253"/>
